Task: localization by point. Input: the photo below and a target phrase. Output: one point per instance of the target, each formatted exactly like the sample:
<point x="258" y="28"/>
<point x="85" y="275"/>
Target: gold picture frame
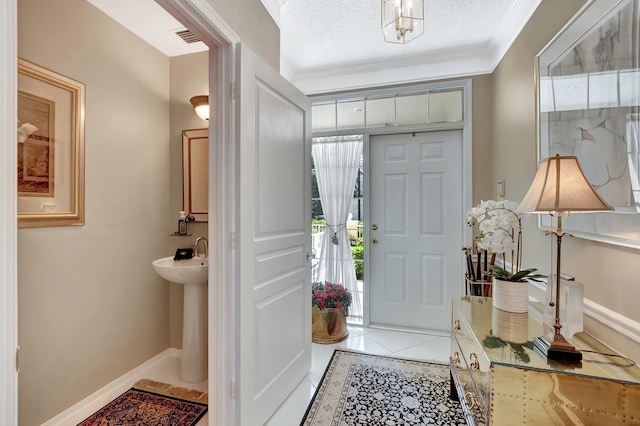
<point x="50" y="137"/>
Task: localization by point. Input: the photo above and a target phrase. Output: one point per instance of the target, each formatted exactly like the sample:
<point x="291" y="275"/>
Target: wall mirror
<point x="195" y="173"/>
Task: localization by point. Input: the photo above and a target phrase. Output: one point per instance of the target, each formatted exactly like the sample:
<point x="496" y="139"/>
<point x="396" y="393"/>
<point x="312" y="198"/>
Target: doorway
<point x="415" y="228"/>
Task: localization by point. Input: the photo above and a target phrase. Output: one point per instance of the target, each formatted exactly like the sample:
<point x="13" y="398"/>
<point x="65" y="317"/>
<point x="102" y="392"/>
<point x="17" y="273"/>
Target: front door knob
<point x="374" y="227"/>
<point x="374" y="241"/>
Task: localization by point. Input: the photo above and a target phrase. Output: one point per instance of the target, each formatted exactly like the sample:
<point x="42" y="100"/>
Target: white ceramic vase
<point x="511" y="297"/>
<point x="510" y="327"/>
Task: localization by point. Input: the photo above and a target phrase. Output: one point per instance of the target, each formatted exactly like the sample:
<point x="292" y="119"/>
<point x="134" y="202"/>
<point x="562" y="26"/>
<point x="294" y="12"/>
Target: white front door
<point x="273" y="236"/>
<point x="416" y="226"/>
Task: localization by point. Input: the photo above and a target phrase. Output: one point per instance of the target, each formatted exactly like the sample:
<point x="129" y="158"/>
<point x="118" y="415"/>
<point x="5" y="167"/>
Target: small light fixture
<point x="201" y="106"/>
<point x="560" y="188"/>
<point x="402" y="20"/>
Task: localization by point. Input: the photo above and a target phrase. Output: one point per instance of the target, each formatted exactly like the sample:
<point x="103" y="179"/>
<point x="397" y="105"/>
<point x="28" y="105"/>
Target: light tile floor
<point x="428" y="347"/>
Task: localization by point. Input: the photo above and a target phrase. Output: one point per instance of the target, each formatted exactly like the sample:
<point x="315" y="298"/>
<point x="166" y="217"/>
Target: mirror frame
<point x="559" y="135"/>
<point x="195" y="162"/>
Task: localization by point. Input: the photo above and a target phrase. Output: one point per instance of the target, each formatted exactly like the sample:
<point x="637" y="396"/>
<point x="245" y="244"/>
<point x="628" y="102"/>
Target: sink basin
<point x="188" y="271"/>
<point x="193" y="274"/>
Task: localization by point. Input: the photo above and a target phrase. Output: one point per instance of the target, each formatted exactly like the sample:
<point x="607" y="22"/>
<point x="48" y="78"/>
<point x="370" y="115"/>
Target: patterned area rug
<point x="151" y="403"/>
<point x="362" y="389"/>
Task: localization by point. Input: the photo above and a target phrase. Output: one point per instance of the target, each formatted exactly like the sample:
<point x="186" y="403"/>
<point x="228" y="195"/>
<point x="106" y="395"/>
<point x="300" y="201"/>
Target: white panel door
<point x="416" y="226"/>
<point x="273" y="202"/>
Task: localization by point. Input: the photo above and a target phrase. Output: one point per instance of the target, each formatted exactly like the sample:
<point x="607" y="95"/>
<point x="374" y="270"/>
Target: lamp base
<point x="558" y="349"/>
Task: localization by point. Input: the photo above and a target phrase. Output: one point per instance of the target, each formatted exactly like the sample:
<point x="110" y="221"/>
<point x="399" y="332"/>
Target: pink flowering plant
<point x="330" y="295"/>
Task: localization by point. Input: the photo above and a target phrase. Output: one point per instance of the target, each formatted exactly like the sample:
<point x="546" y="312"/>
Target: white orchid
<point x="499" y="228"/>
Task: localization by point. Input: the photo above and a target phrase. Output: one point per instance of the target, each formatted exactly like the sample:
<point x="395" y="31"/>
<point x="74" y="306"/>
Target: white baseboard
<point x="102" y="397"/>
<point x="613" y="320"/>
<point x="621" y="324"/>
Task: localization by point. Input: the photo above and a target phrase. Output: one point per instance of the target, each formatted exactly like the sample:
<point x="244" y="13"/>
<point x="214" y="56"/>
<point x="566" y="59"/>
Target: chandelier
<point x="402" y="20"/>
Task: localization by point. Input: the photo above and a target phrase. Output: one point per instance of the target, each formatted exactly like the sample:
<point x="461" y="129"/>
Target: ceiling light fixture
<point x="402" y="20"/>
<point x="201" y="106"/>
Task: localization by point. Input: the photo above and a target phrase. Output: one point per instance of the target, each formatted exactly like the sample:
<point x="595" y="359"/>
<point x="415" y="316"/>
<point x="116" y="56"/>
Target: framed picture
<point x="588" y="83"/>
<point x="50" y="139"/>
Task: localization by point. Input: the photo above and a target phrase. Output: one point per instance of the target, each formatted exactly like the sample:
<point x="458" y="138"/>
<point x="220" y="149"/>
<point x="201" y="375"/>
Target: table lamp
<point x="560" y="188"/>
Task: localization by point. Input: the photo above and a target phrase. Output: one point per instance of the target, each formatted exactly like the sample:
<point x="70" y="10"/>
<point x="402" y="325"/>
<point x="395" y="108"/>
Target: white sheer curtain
<point x="336" y="161"/>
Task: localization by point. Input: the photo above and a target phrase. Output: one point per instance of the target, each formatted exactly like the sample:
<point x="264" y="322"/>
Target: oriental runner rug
<point x="150" y="403"/>
<point x="363" y="389"/>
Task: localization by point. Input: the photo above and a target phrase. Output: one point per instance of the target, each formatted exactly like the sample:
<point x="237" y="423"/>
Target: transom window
<point x="427" y="107"/>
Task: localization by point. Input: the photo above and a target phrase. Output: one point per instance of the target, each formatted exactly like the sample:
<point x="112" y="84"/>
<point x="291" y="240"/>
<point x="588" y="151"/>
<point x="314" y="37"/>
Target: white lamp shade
<point x="201" y="106"/>
<point x="560" y="186"/>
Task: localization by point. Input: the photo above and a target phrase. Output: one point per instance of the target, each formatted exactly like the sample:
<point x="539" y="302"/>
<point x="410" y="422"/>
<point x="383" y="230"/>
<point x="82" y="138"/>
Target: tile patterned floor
<point x="428" y="347"/>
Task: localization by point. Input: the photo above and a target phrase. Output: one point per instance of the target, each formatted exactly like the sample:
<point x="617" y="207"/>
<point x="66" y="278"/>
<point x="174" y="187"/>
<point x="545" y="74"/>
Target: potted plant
<point x="330" y="306"/>
<point x="499" y="229"/>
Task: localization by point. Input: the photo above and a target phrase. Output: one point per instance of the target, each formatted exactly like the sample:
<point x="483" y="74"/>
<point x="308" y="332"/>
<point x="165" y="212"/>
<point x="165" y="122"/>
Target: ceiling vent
<point x="187" y="36"/>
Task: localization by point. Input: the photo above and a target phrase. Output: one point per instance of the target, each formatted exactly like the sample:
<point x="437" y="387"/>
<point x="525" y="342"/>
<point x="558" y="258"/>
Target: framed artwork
<point x="588" y="82"/>
<point x="50" y="139"/>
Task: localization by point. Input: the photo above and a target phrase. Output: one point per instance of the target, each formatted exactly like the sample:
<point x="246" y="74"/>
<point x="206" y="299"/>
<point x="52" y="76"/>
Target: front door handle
<point x="374" y="227"/>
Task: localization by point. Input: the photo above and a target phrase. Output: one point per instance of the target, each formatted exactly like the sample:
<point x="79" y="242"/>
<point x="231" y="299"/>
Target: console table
<point x="501" y="379"/>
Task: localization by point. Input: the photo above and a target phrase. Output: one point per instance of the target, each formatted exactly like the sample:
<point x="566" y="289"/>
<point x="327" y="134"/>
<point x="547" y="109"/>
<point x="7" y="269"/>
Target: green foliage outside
<point x="357" y="248"/>
<point x="317" y="222"/>
<point x="357" y="252"/>
<point x="358" y="255"/>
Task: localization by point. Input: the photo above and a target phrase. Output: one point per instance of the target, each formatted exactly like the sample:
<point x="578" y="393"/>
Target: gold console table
<point x="501" y="379"/>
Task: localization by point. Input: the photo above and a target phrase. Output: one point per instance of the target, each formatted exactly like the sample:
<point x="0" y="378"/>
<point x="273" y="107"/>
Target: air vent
<point x="187" y="36"/>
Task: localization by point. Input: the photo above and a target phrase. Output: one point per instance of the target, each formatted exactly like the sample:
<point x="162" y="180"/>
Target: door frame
<point x="202" y="19"/>
<point x="367" y="204"/>
<point x="467" y="152"/>
<point x="8" y="218"/>
<point x="467" y="156"/>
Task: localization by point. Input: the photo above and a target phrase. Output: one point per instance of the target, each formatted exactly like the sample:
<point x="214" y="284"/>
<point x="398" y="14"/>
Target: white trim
<point x="466" y="125"/>
<point x="605" y="316"/>
<point x="200" y="17"/>
<point x="218" y="30"/>
<point x="101" y="397"/>
<point x="618" y="323"/>
<point x="8" y="217"/>
<point x="477" y="60"/>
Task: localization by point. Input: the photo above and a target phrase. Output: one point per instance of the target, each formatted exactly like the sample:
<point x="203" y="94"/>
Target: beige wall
<point x="482" y="131"/>
<point x="90" y="305"/>
<point x="189" y="77"/>
<point x="609" y="273"/>
<point x="253" y="24"/>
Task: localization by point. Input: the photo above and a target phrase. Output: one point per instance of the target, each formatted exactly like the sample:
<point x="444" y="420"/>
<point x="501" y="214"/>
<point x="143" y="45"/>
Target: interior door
<point x="273" y="234"/>
<point x="416" y="226"/>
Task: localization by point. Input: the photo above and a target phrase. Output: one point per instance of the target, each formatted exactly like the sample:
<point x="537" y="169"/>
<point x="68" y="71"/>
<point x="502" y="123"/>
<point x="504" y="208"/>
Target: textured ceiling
<point x="329" y="45"/>
<point x="325" y="33"/>
<point x="336" y="45"/>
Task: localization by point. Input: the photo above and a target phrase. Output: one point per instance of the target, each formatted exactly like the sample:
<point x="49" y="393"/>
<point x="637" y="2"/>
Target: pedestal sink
<point x="193" y="274"/>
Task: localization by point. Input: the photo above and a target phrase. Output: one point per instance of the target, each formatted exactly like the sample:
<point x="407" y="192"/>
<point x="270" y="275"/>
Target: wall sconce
<point x="201" y="106"/>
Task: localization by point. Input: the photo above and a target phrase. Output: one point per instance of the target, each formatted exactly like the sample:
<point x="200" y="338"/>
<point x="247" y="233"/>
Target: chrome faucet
<point x="206" y="246"/>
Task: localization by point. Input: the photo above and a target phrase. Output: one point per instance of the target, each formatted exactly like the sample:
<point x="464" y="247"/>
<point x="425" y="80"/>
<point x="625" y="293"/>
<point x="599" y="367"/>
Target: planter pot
<point x="510" y="327"/>
<point x="328" y="325"/>
<point x="511" y="297"/>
